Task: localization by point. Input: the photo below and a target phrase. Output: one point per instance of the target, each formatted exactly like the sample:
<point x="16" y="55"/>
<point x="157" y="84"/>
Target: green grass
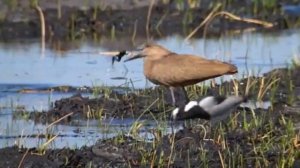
<point x="263" y="139"/>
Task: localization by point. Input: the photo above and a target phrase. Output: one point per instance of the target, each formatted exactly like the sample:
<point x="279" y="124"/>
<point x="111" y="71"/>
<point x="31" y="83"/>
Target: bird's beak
<point x="135" y="55"/>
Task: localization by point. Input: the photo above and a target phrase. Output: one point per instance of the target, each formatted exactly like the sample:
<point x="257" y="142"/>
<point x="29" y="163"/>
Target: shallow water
<point x="23" y="63"/>
<point x="24" y="133"/>
<point x="32" y="101"/>
<point x="24" y="66"/>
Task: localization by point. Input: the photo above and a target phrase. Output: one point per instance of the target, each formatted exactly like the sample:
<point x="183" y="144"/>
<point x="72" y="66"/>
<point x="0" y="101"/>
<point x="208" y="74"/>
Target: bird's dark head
<point x="119" y="56"/>
<point x="149" y="51"/>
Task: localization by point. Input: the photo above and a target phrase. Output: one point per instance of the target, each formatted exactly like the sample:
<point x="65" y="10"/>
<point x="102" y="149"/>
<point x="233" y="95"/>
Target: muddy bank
<point x="226" y="144"/>
<point x="265" y="137"/>
<point x="73" y="20"/>
<point x="109" y="103"/>
<point x="280" y="87"/>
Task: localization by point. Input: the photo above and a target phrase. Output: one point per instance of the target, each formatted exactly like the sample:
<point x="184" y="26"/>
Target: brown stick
<point x="42" y="20"/>
<point x="43" y="29"/>
<point x="255" y="21"/>
<point x="23" y="158"/>
<point x="134" y="31"/>
<point x="211" y="16"/>
<point x="221" y="159"/>
<point x="148" y="18"/>
<point x="67" y="115"/>
<point x="58" y="9"/>
<point x="234" y="17"/>
<point x="202" y="23"/>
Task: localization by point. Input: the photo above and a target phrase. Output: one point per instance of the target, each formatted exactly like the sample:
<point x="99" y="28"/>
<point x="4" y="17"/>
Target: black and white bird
<point x="212" y="108"/>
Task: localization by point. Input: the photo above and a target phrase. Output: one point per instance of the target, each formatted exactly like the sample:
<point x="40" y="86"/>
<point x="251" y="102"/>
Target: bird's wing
<point x="211" y="101"/>
<point x="194" y="112"/>
<point x="187" y="69"/>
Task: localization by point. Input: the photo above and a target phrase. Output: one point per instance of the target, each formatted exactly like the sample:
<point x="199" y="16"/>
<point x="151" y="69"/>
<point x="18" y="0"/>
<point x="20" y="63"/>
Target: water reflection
<point x="26" y="133"/>
<point x="22" y="62"/>
<point x="80" y="133"/>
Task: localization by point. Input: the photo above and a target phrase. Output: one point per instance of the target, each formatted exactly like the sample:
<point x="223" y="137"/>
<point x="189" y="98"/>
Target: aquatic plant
<point x="12" y="4"/>
<point x="58" y="4"/>
<point x="112" y="32"/>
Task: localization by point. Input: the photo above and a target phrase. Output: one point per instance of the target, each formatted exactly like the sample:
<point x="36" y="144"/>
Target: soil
<point x="115" y="105"/>
<point x="124" y="151"/>
<point x="126" y="103"/>
<point x="110" y="19"/>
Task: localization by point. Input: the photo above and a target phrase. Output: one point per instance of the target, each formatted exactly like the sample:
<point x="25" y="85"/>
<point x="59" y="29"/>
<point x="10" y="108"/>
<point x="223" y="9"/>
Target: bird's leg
<point x="172" y="126"/>
<point x="173" y="96"/>
<point x="179" y="96"/>
<point x="186" y="97"/>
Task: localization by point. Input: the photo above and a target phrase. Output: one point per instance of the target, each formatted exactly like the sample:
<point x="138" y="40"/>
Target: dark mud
<point x="76" y="22"/>
<point x="109" y="103"/>
<point x="190" y="147"/>
<point x="126" y="103"/>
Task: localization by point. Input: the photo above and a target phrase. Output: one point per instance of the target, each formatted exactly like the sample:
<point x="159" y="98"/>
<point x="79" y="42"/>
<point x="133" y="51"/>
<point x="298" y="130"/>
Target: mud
<point x="189" y="143"/>
<point x="124" y="151"/>
<point x="126" y="103"/>
<point x="116" y="104"/>
<point x="127" y="20"/>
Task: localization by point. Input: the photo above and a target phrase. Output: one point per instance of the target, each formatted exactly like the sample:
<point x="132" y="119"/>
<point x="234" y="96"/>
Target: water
<point x="32" y="101"/>
<point x="23" y="62"/>
<point x="24" y="66"/>
<point x="25" y="133"/>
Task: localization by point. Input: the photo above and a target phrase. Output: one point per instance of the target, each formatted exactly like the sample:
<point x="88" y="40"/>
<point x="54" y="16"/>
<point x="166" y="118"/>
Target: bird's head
<point x="149" y="51"/>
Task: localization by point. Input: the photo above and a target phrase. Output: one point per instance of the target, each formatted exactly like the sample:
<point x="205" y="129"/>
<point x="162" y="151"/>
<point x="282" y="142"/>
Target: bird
<point x="175" y="71"/>
<point x="213" y="108"/>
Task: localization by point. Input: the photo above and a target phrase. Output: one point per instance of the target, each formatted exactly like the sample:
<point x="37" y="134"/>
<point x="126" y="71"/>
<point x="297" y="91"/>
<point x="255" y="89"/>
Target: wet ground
<point x="184" y="147"/>
<point x="54" y="112"/>
<point x="74" y="20"/>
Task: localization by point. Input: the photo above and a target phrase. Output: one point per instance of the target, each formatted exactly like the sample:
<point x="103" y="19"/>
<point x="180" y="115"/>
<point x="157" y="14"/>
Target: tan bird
<point x="163" y="67"/>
